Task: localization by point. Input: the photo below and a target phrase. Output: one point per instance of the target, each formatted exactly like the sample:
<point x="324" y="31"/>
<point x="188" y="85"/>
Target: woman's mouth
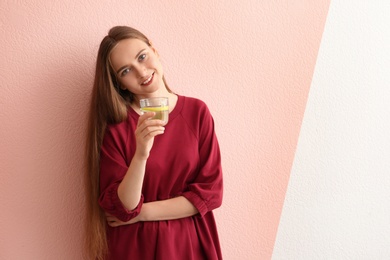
<point x="148" y="81"/>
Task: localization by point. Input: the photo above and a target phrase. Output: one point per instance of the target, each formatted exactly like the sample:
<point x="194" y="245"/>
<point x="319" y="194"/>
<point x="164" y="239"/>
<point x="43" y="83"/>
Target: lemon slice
<point x="154" y="109"/>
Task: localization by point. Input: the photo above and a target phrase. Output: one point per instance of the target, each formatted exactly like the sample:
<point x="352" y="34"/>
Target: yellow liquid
<point x="161" y="112"/>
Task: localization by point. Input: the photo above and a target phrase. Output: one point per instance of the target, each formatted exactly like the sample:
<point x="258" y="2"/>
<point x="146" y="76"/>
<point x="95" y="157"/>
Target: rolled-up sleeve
<point x="113" y="168"/>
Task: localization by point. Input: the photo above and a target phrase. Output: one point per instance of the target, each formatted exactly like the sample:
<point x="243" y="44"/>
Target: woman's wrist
<point x="141" y="156"/>
<point x="143" y="215"/>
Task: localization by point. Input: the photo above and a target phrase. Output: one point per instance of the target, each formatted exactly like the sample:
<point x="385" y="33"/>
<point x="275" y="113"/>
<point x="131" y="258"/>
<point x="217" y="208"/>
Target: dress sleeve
<point x="113" y="168"/>
<point x="206" y="191"/>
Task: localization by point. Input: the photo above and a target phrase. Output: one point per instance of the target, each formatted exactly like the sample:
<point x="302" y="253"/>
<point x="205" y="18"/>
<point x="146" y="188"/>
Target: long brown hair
<point x="109" y="104"/>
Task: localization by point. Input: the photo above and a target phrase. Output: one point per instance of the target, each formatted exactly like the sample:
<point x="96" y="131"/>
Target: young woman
<point x="151" y="187"/>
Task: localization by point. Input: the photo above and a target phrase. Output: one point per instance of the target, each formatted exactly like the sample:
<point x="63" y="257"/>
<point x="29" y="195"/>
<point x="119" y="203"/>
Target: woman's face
<point x="137" y="67"/>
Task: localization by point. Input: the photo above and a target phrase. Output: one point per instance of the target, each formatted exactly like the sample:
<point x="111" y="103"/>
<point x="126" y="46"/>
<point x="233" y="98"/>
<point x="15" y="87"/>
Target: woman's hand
<point x="147" y="129"/>
<point x="114" y="222"/>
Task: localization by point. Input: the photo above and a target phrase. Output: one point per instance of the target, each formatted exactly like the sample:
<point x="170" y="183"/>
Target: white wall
<point x="338" y="199"/>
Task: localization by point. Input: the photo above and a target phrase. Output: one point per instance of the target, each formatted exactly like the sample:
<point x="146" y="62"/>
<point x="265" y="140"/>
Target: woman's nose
<point x="141" y="71"/>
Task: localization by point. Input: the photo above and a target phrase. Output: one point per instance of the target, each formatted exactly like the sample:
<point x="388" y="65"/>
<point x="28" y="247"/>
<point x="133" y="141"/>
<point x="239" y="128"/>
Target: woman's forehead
<point x="129" y="45"/>
<point x="127" y="49"/>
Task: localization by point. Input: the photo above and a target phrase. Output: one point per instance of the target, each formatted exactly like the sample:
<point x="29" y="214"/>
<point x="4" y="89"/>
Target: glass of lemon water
<point x="158" y="105"/>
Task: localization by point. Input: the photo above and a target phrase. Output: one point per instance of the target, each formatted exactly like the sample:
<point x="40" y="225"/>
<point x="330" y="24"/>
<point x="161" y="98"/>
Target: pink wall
<point x="251" y="61"/>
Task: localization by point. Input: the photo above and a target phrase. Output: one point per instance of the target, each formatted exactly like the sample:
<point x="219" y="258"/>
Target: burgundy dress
<point x="184" y="161"/>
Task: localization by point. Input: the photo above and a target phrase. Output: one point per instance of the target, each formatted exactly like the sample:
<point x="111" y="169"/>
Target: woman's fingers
<point x="113" y="224"/>
<point x="113" y="221"/>
<point x="148" y="128"/>
<point x="152" y="131"/>
<point x="145" y="132"/>
<point x="145" y="117"/>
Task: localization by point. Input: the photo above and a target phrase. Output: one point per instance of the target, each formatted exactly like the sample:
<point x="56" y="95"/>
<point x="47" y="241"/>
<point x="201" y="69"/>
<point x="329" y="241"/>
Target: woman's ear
<point x="121" y="87"/>
<point x="154" y="49"/>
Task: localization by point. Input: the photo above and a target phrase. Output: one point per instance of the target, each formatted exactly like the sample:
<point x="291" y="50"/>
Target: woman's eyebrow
<point x="121" y="68"/>
<point x="139" y="53"/>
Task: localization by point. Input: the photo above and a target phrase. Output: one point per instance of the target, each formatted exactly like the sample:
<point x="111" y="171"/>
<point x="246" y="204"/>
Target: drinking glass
<point x="158" y="105"/>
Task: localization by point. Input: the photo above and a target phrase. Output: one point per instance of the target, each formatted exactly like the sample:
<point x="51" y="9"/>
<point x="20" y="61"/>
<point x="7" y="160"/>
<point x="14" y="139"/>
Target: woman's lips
<point x="148" y="81"/>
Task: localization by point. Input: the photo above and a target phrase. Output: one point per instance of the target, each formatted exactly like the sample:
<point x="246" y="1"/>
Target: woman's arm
<point x="200" y="196"/>
<point x="169" y="209"/>
<point x="174" y="208"/>
<point x="129" y="190"/>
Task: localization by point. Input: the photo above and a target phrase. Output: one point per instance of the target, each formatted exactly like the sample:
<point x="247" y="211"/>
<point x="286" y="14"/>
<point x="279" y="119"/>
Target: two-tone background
<point x="299" y="91"/>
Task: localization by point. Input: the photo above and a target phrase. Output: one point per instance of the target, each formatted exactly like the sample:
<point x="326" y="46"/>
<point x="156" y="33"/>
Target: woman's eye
<point x="125" y="71"/>
<point x="142" y="57"/>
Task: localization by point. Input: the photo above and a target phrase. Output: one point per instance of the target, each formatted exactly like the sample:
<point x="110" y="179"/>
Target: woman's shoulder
<point x="119" y="129"/>
<point x="193" y="103"/>
<point x="194" y="109"/>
